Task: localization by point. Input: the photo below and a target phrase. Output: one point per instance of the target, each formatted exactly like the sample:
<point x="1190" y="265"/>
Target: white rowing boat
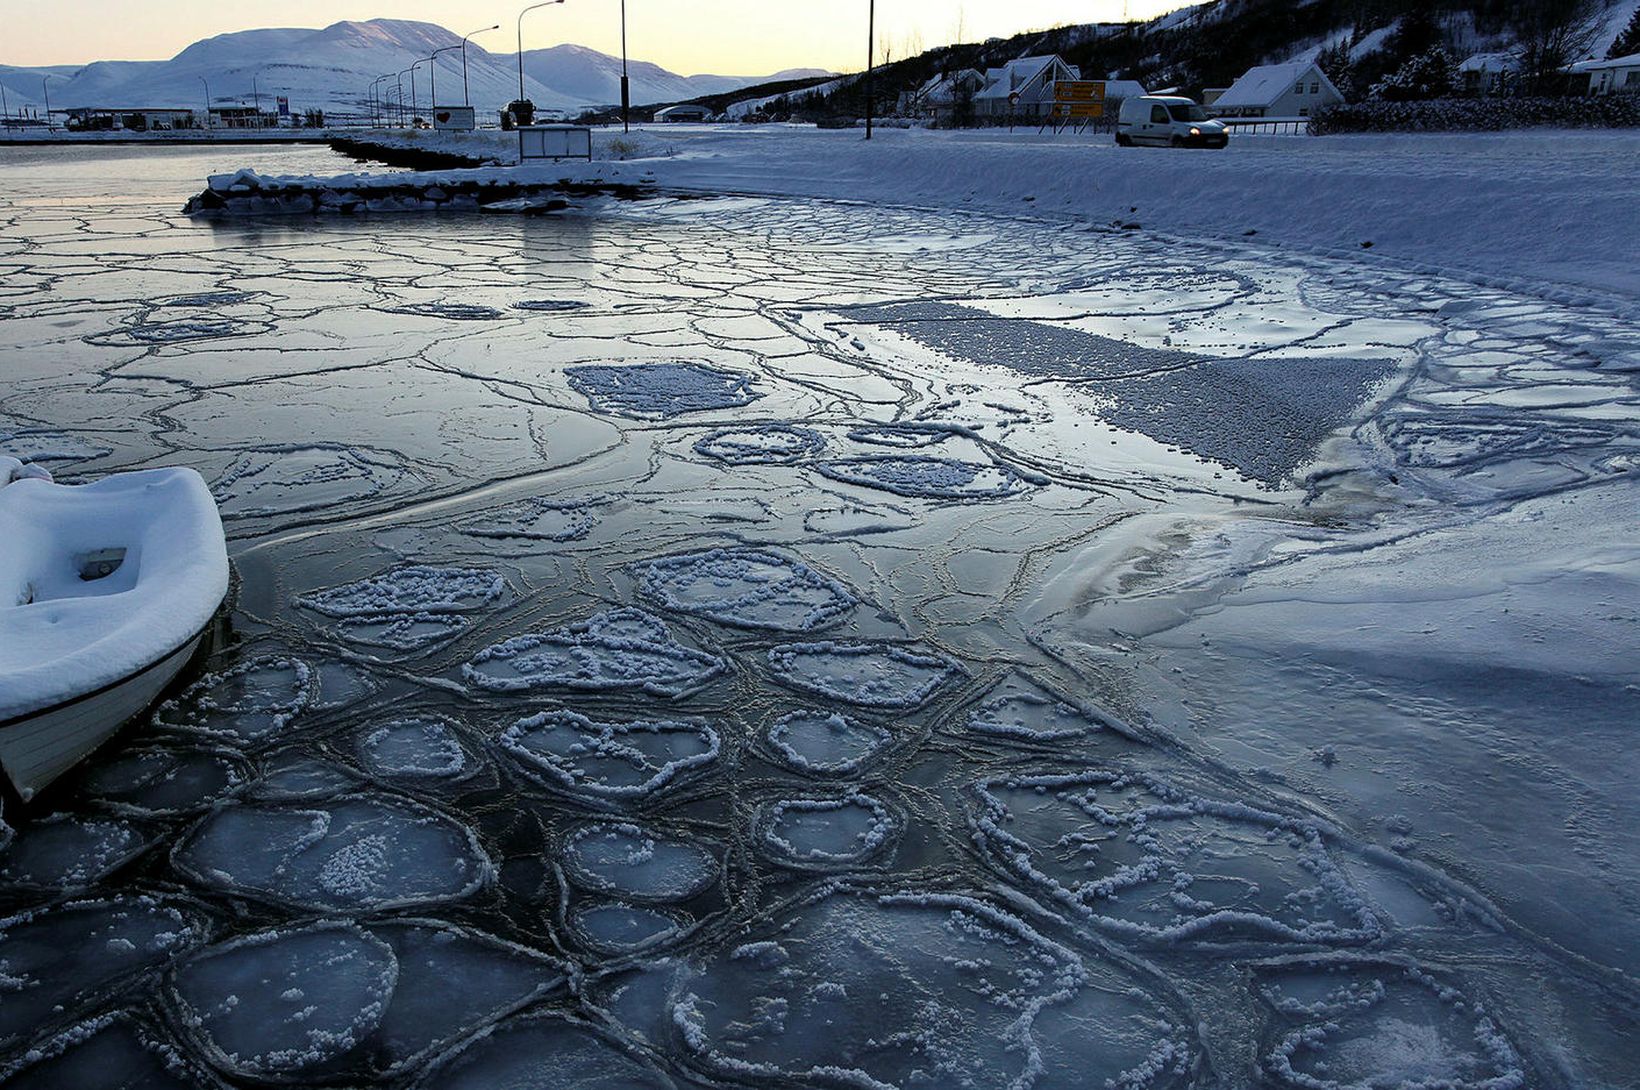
<point x="106" y="590"/>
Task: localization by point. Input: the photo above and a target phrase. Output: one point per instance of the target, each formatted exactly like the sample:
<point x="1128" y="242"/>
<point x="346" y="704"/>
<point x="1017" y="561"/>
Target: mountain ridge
<point x="336" y="69"/>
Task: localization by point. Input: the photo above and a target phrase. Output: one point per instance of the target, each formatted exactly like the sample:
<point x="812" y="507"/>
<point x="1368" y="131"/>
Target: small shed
<point x="1297" y="89"/>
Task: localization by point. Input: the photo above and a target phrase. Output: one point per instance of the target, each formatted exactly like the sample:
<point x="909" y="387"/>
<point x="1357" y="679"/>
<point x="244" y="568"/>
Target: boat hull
<point x="38" y="748"/>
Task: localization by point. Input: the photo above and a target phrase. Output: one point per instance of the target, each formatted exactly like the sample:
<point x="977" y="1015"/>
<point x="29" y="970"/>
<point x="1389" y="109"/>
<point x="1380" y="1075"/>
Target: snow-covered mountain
<point x="333" y="69"/>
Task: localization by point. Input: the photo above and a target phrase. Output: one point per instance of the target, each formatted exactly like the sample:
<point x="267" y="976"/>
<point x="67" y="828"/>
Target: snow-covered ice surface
<point x="841" y="644"/>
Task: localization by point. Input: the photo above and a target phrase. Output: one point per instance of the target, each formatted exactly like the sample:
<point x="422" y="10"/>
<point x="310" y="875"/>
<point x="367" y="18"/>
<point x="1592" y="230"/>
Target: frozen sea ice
<point x="825" y="743"/>
<point x="415" y="588"/>
<point x="617" y="649"/>
<point x="872" y="675"/>
<point x="926" y="477"/>
<point x="746" y="588"/>
<point x="610" y="763"/>
<point x="356" y="854"/>
<point x="285" y="1002"/>
<point x="637" y="864"/>
<point x="661" y="390"/>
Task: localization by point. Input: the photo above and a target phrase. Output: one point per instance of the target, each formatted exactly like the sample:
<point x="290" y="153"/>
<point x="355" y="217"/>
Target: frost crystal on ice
<point x="873" y="675"/>
<point x="826" y="834"/>
<point x="52" y="961"/>
<point x="637" y="864"/>
<point x="746" y="588"/>
<point x="619" y="928"/>
<point x="548" y="306"/>
<point x="403" y="631"/>
<point x="769" y="444"/>
<point x="618" y="649"/>
<point x="1145" y="860"/>
<point x="660" y="390"/>
<point x="535" y="519"/>
<point x="68" y="852"/>
<point x="282" y="1002"/>
<point x="92" y="1053"/>
<point x="904" y="435"/>
<point x="163" y="781"/>
<point x="926" y="477"/>
<point x="419" y="748"/>
<point x="247" y="702"/>
<point x="898" y="991"/>
<point x="1348" y="1025"/>
<point x="543" y="1050"/>
<point x="825" y="743"/>
<point x="610" y="762"/>
<point x="1021" y="709"/>
<point x="460" y="312"/>
<point x="410" y="589"/>
<point x="360" y="853"/>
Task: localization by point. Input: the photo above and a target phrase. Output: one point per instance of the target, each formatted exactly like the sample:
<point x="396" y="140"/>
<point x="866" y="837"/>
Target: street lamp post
<point x="45" y="89"/>
<point x="377" y="96"/>
<point x="466" y="96"/>
<point x="207" y="84"/>
<point x="871" y="59"/>
<point x="626" y="84"/>
<point x="398" y="101"/>
<point x="432" y="68"/>
<point x="413" y="68"/>
<point x="526" y="11"/>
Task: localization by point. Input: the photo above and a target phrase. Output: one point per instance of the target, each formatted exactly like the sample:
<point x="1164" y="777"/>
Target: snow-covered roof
<point x="1261" y="86"/>
<point x="1124" y="88"/>
<point x="1490" y="62"/>
<point x="1632" y="60"/>
<point x="1001" y="82"/>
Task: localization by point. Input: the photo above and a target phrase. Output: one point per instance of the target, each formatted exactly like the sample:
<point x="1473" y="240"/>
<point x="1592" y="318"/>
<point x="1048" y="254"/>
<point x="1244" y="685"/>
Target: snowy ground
<point x="750" y="640"/>
<point x="1535" y="210"/>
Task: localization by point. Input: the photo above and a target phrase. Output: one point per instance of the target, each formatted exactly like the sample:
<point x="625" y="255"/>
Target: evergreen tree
<point x="1629" y="41"/>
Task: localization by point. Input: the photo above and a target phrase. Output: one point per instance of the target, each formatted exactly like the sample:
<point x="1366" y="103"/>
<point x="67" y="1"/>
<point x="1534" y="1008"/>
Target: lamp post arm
<point x="526" y="11"/>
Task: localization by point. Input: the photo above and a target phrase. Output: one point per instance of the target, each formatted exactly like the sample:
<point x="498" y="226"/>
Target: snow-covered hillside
<point x="332" y="70"/>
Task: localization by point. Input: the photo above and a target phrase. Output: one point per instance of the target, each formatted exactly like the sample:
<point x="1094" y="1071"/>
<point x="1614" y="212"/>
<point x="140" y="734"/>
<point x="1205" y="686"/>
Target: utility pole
<point x="256" y="97"/>
<point x="207" y="84"/>
<point x="626" y="84"/>
<point x="871" y="59"/>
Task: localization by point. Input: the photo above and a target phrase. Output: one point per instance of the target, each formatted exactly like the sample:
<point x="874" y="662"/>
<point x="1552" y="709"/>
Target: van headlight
<point x="1195" y="131"/>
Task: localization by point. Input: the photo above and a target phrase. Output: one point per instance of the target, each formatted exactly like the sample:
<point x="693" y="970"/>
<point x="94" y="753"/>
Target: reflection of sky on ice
<point x="850" y="636"/>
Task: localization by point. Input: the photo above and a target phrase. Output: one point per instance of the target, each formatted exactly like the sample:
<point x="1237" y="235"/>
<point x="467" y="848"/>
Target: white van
<point x="1168" y="120"/>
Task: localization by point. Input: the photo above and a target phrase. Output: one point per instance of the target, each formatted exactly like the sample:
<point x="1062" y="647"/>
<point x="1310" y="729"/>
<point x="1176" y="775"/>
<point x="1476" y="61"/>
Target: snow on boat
<point x="106" y="590"/>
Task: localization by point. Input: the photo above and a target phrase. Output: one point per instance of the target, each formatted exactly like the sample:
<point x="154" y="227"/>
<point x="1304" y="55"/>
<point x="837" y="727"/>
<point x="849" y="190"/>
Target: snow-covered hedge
<point x="1479" y="115"/>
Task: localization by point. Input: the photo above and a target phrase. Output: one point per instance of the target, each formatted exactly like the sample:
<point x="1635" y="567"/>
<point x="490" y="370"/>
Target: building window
<point x="1315" y="88"/>
<point x="1303" y="111"/>
<point x="1299" y="90"/>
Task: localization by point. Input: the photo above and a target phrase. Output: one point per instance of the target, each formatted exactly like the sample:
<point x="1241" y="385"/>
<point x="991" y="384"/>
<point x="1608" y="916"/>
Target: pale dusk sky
<point x="730" y="37"/>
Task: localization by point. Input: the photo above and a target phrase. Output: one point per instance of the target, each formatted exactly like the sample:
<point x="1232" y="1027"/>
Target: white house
<point x="1297" y="89"/>
<point x="1022" y="88"/>
<point x="1619" y="75"/>
<point x="937" y="99"/>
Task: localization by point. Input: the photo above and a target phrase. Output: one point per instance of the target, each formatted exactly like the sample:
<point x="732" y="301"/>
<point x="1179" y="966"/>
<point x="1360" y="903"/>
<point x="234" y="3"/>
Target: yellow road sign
<point x="1078" y="110"/>
<point x="1080" y="90"/>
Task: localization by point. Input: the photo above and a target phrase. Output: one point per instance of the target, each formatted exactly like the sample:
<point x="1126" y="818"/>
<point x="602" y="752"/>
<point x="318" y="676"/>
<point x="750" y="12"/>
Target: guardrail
<point x="1268" y="126"/>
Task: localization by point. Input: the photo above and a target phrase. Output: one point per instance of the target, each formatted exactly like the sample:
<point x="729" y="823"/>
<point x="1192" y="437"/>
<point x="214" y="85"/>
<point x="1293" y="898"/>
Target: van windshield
<point x="1191" y="112"/>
